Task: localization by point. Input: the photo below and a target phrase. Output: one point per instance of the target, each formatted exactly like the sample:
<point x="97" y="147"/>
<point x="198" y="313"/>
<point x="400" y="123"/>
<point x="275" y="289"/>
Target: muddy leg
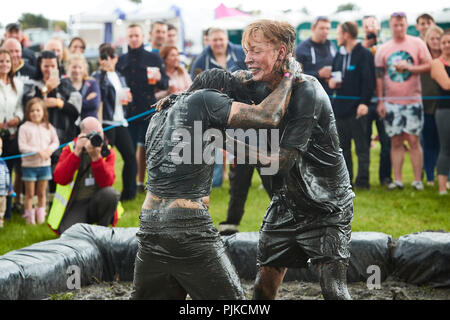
<point x="333" y="281"/>
<point x="267" y="282"/>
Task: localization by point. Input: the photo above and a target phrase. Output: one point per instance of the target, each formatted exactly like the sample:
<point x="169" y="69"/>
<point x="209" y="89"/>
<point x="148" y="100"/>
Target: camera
<point x="95" y="138"/>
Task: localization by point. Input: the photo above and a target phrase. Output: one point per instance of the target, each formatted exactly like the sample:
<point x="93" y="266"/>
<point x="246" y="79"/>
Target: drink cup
<point x="126" y="92"/>
<point x="151" y="75"/>
<point x="337" y="76"/>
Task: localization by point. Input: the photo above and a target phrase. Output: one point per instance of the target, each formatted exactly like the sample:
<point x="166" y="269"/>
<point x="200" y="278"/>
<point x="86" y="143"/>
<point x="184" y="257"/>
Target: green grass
<point x="392" y="212"/>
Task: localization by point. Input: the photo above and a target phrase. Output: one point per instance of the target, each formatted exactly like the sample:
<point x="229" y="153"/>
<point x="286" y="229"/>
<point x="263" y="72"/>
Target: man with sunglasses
<point x="399" y="62"/>
<point x="317" y="52"/>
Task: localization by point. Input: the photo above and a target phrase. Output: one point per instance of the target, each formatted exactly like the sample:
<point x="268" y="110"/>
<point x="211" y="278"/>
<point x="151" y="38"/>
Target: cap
<point x="13" y="26"/>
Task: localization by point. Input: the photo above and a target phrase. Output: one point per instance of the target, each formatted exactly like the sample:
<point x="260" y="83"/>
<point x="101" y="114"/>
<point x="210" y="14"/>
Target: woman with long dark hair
<point x="11" y="114"/>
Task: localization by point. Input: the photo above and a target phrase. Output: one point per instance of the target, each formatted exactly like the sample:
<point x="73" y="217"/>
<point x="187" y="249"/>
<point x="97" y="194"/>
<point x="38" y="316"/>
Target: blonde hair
<point x="78" y="57"/>
<point x="431" y="29"/>
<point x="277" y="32"/>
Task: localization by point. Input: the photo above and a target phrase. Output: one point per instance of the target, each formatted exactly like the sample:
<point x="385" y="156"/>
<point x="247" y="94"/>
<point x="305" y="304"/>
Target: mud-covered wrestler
<point x="180" y="251"/>
<point x="309" y="217"/>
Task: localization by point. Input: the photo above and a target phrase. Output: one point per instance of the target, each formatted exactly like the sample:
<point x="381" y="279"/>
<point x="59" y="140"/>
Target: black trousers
<point x="120" y="138"/>
<point x="98" y="209"/>
<point x="356" y="129"/>
<point x="385" y="170"/>
<point x="240" y="176"/>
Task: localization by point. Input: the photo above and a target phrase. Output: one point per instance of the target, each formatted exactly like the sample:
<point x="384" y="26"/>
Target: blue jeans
<point x="218" y="169"/>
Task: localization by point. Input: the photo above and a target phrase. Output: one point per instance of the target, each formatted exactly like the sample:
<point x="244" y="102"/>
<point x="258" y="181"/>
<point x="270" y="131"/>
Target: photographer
<point x="84" y="175"/>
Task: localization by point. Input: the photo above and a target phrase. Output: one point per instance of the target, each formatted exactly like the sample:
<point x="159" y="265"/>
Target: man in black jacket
<point x="133" y="66"/>
<point x="353" y="79"/>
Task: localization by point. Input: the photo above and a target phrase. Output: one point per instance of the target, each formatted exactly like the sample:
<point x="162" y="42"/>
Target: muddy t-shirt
<point x="319" y="181"/>
<point x="179" y="150"/>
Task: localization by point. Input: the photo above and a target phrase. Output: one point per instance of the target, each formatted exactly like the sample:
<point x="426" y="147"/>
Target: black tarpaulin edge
<point x="108" y="254"/>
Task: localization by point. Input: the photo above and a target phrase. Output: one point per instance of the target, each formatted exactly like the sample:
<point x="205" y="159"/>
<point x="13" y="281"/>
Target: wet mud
<point x="295" y="290"/>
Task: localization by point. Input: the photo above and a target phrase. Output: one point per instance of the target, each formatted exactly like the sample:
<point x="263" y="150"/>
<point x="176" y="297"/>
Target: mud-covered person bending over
<point x="180" y="251"/>
<point x="309" y="217"/>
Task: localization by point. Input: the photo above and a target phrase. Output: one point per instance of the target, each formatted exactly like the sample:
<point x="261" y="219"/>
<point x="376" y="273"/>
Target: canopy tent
<point x="108" y="21"/>
<point x="223" y="11"/>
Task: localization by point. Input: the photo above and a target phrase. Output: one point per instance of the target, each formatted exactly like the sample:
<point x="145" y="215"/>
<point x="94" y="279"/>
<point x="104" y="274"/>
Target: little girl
<point x="37" y="136"/>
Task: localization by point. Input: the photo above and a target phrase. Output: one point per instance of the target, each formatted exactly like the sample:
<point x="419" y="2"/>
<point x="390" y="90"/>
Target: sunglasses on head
<point x="320" y="18"/>
<point x="398" y="14"/>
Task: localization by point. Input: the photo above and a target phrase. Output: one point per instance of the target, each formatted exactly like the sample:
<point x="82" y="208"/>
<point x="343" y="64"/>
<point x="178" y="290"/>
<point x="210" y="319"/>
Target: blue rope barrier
<point x="23" y="155"/>
<point x="331" y="97"/>
<point x="392" y="98"/>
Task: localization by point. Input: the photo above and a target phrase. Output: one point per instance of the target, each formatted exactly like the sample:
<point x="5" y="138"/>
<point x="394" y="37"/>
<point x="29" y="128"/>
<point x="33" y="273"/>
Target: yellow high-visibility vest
<point x="61" y="199"/>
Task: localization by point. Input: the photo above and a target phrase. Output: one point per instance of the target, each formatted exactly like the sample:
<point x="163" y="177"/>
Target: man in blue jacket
<point x="316" y="53"/>
<point x="133" y="66"/>
<point x="220" y="54"/>
<point x="353" y="77"/>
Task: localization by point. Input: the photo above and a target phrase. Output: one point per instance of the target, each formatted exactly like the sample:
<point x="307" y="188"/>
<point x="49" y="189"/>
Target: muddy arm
<point x="283" y="159"/>
<point x="267" y="114"/>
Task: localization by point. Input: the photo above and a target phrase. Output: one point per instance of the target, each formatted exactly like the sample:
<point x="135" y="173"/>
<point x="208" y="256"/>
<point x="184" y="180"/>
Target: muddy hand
<point x="293" y="66"/>
<point x="243" y="75"/>
<point x="164" y="102"/>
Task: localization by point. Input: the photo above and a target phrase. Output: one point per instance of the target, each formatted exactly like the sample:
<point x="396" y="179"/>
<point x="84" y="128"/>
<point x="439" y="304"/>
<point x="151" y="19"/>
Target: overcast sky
<point x="61" y="10"/>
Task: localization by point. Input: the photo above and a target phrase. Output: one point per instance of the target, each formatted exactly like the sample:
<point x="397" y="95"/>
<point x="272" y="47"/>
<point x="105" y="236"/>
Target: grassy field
<point x="393" y="212"/>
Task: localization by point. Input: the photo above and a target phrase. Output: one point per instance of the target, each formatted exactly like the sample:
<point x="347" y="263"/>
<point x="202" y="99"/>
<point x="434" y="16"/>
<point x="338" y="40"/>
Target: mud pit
<point x="295" y="290"/>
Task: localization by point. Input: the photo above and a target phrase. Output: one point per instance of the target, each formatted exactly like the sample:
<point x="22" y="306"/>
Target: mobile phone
<point x="54" y="73"/>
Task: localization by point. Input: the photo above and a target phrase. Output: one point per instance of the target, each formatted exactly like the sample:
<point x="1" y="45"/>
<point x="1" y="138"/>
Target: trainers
<point x="29" y="216"/>
<point x="141" y="188"/>
<point x="386" y="181"/>
<point x="418" y="185"/>
<point x="443" y="193"/>
<point x="226" y="229"/>
<point x="40" y="215"/>
<point x="395" y="185"/>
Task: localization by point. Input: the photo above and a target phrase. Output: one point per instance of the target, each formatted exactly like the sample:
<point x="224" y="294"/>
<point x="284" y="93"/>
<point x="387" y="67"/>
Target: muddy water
<point x="390" y="290"/>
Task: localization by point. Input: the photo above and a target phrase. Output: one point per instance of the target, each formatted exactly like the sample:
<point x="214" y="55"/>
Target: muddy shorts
<point x="180" y="251"/>
<point x="401" y="118"/>
<point x="294" y="239"/>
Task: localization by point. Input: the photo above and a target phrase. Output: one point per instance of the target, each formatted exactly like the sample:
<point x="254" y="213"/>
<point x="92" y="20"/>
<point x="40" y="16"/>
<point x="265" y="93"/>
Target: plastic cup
<point x="151" y="75"/>
<point x="337" y="76"/>
<point x="126" y="92"/>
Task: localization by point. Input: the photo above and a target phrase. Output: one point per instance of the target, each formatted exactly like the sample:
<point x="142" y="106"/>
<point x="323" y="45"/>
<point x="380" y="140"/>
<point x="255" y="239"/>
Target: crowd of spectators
<point x="401" y="85"/>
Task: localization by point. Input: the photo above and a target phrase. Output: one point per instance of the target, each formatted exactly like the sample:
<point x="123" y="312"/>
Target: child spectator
<point x="37" y="136"/>
<point x="5" y="185"/>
